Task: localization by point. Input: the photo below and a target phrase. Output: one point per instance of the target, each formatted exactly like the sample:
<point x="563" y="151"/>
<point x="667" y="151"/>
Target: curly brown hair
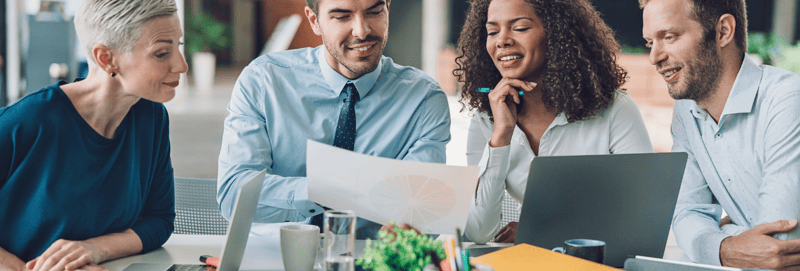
<point x="581" y="74"/>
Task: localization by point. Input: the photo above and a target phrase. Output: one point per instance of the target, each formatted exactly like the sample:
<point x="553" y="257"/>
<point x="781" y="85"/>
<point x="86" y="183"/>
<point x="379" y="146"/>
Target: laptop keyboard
<point x="190" y="267"/>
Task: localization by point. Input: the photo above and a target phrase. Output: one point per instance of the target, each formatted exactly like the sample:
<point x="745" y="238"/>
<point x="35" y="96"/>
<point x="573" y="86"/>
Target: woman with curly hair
<point x="551" y="66"/>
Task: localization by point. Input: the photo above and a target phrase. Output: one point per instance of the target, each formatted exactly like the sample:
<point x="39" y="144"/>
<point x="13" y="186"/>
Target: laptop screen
<point x="625" y="200"/>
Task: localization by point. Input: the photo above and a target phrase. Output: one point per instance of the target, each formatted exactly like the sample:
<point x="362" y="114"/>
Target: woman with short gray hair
<point x="85" y="170"/>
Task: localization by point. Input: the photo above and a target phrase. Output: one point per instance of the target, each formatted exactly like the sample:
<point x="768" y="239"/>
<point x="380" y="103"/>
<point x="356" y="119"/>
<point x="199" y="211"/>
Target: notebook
<point x="526" y="257"/>
<point x="238" y="230"/>
<point x="625" y="200"/>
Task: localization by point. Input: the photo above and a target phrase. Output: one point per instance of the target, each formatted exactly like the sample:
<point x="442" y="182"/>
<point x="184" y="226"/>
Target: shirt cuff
<point x="709" y="249"/>
<point x="732" y="229"/>
<point x="305" y="207"/>
<point x="494" y="162"/>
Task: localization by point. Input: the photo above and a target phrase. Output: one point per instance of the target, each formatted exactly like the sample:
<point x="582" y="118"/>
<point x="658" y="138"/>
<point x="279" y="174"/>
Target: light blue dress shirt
<point x="748" y="165"/>
<point x="282" y="99"/>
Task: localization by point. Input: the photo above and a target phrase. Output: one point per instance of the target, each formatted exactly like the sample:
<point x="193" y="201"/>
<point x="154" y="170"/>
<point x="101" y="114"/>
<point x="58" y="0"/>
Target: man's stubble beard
<point x="702" y="78"/>
<point x="340" y="57"/>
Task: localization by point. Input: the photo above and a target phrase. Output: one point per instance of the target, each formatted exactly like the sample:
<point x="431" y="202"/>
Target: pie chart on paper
<point x="413" y="199"/>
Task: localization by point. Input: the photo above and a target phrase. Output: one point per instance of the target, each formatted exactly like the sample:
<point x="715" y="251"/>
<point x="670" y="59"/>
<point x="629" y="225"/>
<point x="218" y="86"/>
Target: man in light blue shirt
<point x="740" y="124"/>
<point x="282" y="99"/>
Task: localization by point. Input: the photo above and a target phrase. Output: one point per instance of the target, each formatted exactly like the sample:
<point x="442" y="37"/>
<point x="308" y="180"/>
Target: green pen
<point x="487" y="90"/>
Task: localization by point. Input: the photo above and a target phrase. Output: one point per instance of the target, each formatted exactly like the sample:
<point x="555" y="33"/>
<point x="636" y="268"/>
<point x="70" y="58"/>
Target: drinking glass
<point x="340" y="240"/>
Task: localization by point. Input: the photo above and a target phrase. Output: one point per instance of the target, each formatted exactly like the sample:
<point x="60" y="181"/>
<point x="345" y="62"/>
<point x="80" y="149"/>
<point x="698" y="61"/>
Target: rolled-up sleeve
<point x="246" y="151"/>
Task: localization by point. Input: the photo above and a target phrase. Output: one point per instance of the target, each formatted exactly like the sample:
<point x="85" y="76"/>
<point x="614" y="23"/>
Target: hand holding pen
<point x="487" y="90"/>
<point x="503" y="100"/>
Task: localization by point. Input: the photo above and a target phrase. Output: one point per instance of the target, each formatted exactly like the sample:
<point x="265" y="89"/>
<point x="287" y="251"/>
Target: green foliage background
<point x="205" y="33"/>
<point x="790" y="59"/>
<point x="765" y="45"/>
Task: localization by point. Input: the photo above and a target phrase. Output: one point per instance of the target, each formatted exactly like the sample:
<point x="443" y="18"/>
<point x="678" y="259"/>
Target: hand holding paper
<point x="424" y="195"/>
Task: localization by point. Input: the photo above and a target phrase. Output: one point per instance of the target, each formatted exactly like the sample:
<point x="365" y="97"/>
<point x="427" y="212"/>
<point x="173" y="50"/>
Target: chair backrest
<point x="196" y="207"/>
<point x="282" y="36"/>
<point x="509" y="209"/>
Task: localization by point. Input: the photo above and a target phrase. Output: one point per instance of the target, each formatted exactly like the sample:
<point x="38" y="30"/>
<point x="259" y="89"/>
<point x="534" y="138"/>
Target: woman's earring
<point x="113" y="74"/>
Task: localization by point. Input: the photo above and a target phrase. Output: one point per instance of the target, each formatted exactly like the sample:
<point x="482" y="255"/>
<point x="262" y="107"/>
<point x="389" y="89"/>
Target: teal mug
<point x="587" y="249"/>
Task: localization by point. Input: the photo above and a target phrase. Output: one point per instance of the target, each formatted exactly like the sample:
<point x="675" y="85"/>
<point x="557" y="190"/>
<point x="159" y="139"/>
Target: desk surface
<point x="262" y="252"/>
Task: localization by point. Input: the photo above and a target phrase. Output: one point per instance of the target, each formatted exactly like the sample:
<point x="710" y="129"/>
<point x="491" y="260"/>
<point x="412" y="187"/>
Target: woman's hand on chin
<point x="503" y="100"/>
<point x="67" y="255"/>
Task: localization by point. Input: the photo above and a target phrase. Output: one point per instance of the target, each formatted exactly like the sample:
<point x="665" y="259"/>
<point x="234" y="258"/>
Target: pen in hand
<point x="487" y="90"/>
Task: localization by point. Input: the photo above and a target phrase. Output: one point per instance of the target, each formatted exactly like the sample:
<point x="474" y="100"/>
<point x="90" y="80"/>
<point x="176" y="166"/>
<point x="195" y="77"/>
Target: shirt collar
<point x="743" y="93"/>
<point x="337" y="82"/>
<point x="561" y="119"/>
<point x="745" y="88"/>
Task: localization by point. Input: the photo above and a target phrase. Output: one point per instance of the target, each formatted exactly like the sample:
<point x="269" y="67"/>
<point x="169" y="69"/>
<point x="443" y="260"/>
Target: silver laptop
<point x="238" y="230"/>
<point x="626" y="200"/>
<point x="641" y="263"/>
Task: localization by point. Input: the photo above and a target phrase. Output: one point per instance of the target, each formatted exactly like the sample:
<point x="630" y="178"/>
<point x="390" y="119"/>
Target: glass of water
<point x="340" y="240"/>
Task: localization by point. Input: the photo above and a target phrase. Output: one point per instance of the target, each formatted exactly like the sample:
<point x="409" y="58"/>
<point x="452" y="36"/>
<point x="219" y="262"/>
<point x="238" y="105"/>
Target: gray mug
<point x="587" y="249"/>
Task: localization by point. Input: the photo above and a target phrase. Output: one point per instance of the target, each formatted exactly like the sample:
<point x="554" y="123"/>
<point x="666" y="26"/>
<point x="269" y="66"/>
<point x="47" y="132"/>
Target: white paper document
<point x="424" y="195"/>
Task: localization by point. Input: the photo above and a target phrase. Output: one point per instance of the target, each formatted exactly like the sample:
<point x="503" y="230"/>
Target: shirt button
<point x="312" y="211"/>
<point x="719" y="135"/>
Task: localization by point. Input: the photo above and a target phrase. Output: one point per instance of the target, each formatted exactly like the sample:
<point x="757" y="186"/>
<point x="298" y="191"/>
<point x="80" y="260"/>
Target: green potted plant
<point x="403" y="250"/>
<point x="764" y="47"/>
<point x="203" y="34"/>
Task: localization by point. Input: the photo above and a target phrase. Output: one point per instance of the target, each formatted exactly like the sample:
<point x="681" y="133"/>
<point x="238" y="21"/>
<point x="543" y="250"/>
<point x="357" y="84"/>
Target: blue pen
<point x="487" y="90"/>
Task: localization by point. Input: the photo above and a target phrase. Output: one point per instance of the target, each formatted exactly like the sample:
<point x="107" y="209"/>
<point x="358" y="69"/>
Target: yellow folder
<point x="527" y="257"/>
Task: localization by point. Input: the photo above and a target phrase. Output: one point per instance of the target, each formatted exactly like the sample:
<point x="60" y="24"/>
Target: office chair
<point x="282" y="36"/>
<point x="196" y="207"/>
<point x="510" y="209"/>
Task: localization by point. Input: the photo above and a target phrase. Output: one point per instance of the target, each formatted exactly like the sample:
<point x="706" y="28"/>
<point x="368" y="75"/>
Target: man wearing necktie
<point x="344" y="93"/>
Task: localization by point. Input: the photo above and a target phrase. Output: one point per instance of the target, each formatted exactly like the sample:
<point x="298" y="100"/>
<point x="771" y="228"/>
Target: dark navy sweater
<point x="60" y="179"/>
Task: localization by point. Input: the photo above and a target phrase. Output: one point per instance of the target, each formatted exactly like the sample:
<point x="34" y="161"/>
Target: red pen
<point x="210" y="260"/>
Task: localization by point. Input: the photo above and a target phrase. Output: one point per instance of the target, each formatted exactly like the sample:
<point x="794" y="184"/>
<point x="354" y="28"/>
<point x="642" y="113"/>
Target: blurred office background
<point x="38" y="47"/>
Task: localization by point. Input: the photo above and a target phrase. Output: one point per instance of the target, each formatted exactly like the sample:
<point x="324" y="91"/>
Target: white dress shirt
<point x="619" y="128"/>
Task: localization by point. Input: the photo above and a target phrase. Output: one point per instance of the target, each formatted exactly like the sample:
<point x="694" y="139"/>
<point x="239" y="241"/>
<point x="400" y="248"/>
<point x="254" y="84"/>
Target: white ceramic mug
<point x="299" y="246"/>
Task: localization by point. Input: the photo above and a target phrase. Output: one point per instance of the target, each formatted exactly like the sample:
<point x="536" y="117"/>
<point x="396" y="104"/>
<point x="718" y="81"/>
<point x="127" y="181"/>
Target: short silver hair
<point x="117" y="23"/>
